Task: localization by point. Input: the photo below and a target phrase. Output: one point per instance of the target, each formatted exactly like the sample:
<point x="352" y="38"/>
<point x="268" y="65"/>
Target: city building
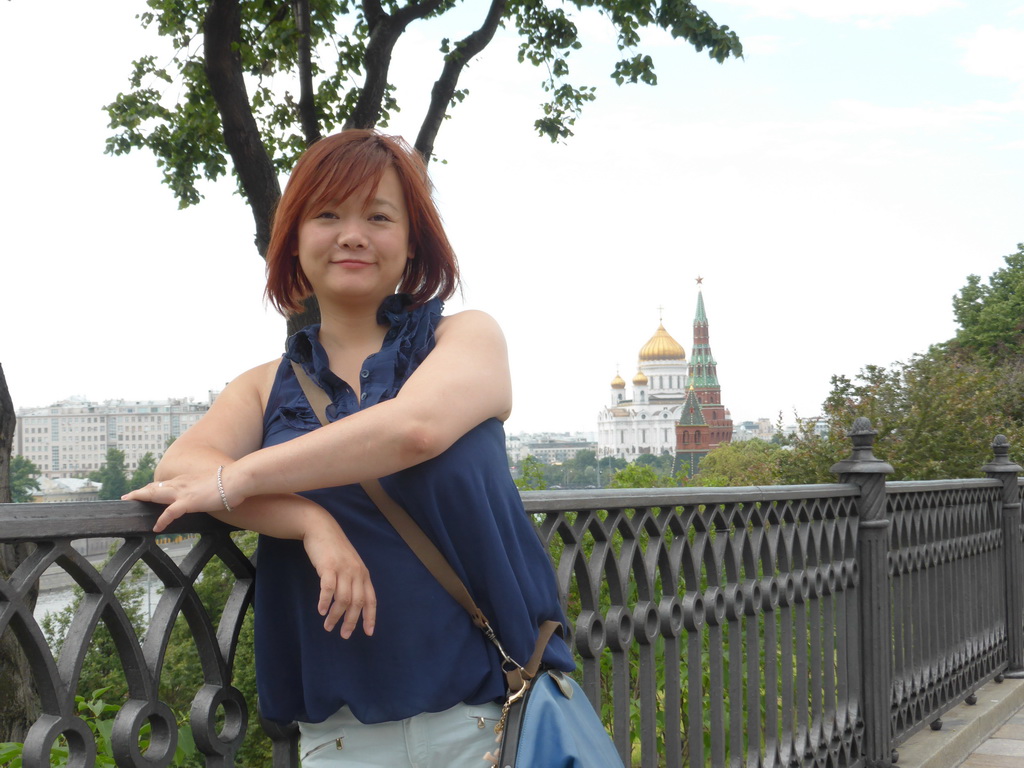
<point x="551" y="448"/>
<point x="762" y="429"/>
<point x="674" y="406"/>
<point x="71" y="437"/>
<point x="67" y="489"/>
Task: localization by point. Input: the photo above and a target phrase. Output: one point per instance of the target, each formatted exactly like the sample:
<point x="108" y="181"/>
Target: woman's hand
<point x="184" y="494"/>
<point x="345" y="588"/>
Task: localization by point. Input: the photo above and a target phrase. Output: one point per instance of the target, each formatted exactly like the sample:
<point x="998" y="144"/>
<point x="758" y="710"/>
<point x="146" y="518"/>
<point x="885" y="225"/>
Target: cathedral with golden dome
<point x="675" y="405"/>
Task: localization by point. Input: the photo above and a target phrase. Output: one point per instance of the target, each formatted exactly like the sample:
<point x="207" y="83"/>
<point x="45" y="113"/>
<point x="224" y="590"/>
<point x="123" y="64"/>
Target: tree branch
<point x="222" y="34"/>
<point x="384" y="33"/>
<point x="444" y="89"/>
<point x="372" y="12"/>
<point x="307" y="104"/>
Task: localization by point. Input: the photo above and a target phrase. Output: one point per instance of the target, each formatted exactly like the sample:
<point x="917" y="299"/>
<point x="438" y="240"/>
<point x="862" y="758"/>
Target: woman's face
<point x="351" y="250"/>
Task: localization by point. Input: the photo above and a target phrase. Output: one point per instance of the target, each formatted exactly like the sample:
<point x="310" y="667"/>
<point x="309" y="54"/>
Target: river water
<point x="56" y="600"/>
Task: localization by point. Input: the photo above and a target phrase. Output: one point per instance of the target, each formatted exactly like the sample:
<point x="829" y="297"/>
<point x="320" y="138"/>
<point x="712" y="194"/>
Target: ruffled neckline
<point x="409" y="339"/>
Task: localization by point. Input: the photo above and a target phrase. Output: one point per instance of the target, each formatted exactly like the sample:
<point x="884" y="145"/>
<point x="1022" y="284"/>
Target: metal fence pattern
<point x="779" y="626"/>
<point x="218" y="714"/>
<point x="729" y="615"/>
<point x="948" y="596"/>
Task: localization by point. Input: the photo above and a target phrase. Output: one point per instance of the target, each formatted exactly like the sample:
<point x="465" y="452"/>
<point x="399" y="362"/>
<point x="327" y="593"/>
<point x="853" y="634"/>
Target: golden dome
<point x="640" y="379"/>
<point x="618" y="383"/>
<point x="662" y="347"/>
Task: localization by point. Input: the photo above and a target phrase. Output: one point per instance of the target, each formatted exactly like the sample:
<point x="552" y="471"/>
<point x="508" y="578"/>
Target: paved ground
<point x="1003" y="748"/>
<point x="988" y="734"/>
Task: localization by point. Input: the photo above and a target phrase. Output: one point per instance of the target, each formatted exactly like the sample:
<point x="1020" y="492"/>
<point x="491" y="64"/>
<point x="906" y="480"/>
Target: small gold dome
<point x="662" y="347"/>
<point x="618" y="383"/>
<point x="640" y="379"/>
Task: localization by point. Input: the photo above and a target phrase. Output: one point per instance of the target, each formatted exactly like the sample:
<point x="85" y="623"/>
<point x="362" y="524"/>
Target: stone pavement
<point x="989" y="734"/>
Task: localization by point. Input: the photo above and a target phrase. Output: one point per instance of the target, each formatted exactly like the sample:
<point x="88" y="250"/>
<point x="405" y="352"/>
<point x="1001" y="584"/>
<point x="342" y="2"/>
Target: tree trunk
<point x="309" y="315"/>
<point x="223" y="66"/>
<point x="19" y="703"/>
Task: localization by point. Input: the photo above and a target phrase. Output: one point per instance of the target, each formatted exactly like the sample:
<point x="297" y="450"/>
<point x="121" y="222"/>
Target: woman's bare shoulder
<point x="256" y="383"/>
<point x="469" y="322"/>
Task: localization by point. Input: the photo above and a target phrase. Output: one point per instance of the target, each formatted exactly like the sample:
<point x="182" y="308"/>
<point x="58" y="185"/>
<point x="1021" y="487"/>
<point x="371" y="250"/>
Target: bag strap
<point x="429" y="554"/>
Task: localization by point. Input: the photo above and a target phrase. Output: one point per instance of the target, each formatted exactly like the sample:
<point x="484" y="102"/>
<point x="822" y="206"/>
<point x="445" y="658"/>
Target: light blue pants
<point x="456" y="738"/>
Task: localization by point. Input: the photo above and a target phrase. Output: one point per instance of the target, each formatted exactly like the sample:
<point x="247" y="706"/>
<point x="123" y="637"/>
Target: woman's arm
<point x="345" y="587"/>
<point x="232" y="428"/>
<point x="463" y="382"/>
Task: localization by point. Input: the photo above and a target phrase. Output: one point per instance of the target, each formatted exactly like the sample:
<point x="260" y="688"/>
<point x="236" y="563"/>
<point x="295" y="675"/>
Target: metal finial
<point x="1001" y="457"/>
<point x="1001" y="447"/>
<point x="862" y="459"/>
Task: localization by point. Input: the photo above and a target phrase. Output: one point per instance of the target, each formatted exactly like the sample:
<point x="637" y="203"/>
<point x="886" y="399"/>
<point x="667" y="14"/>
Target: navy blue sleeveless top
<point x="425" y="654"/>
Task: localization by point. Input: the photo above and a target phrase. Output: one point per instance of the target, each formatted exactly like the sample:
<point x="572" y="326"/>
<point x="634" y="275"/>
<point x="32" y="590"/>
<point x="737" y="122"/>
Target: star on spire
<point x="699" y="279"/>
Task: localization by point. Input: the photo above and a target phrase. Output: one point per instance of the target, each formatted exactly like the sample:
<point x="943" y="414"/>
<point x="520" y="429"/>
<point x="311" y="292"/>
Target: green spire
<point x="701" y="318"/>
<point x="692" y="415"/>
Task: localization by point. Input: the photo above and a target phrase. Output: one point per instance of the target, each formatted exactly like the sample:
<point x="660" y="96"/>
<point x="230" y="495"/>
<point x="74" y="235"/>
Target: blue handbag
<point x="552" y="725"/>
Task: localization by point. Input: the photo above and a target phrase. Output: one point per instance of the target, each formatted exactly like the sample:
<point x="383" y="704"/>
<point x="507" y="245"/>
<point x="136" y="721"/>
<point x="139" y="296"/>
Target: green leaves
<point x="23" y="482"/>
<point x="112" y="476"/>
<point x="531" y="475"/>
<point x="561" y="112"/>
<point x="682" y="19"/>
<point x="991" y="316"/>
<point x="639" y="68"/>
<point x="99" y="716"/>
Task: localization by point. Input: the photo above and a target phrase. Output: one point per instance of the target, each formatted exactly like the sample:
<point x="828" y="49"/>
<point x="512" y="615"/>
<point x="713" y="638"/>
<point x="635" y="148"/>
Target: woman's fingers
<point x="168" y="516"/>
<point x="369" y="609"/>
<point x="345" y="600"/>
<point x="182" y="494"/>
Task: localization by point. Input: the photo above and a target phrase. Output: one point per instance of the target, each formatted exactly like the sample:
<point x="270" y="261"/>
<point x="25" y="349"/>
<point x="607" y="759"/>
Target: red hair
<point x="333" y="169"/>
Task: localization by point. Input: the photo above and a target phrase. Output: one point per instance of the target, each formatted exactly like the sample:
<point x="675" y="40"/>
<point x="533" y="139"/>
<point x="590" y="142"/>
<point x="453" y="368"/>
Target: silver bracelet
<point x="220" y="487"/>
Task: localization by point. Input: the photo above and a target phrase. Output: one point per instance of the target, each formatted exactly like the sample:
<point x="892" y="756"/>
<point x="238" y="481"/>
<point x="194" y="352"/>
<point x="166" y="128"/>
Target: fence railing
<point x="815" y="625"/>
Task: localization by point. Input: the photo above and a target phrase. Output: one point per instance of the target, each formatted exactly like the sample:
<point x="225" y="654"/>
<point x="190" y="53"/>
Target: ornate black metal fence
<point x="783" y="626"/>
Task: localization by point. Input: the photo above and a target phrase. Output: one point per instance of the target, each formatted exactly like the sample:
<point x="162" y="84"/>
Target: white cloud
<point x="871" y="12"/>
<point x="995" y="52"/>
<point x="761" y="45"/>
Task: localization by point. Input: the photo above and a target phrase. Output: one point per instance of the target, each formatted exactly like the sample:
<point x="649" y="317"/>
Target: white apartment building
<point x="72" y="437"/>
<point x="551" y="448"/>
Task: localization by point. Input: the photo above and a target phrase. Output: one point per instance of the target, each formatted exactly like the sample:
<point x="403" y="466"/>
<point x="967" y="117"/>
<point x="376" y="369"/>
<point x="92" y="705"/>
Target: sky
<point x="833" y="189"/>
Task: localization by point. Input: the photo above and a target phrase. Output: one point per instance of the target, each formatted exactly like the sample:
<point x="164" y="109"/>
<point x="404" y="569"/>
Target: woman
<point x="354" y="639"/>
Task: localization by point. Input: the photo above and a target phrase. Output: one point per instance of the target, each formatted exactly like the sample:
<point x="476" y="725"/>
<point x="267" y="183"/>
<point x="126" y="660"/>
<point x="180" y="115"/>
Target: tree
<point x="991" y="316"/>
<point x="749" y="462"/>
<point x="112" y="476"/>
<point x="659" y="462"/>
<point x="641" y="476"/>
<point x="23" y="479"/>
<point x="935" y="416"/>
<point x="143" y="474"/>
<point x="303" y="58"/>
<point x="19" y="702"/>
<point x="531" y="475"/>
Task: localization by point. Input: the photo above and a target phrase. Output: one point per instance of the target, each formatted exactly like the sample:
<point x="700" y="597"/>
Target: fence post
<point x="868" y="473"/>
<point x="1002" y="469"/>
